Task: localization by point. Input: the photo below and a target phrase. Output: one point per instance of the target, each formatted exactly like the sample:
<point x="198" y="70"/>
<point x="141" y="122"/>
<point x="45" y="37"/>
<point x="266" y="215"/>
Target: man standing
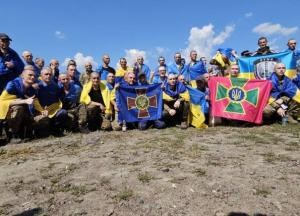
<point x="162" y="77"/>
<point x="54" y="64"/>
<point x="39" y="62"/>
<point x="71" y="73"/>
<point x="161" y="62"/>
<point x="194" y="68"/>
<point x="16" y="103"/>
<point x="28" y="59"/>
<point x="140" y="67"/>
<point x="11" y="65"/>
<point x="85" y="76"/>
<point x="263" y="49"/>
<point x="177" y="67"/>
<point x="105" y="68"/>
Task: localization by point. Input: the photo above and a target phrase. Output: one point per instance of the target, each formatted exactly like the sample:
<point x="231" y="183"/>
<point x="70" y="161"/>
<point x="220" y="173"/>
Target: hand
<point x="35" y="86"/>
<point x="177" y="104"/>
<point x="9" y="64"/>
<point x="52" y="66"/>
<point x="117" y="86"/>
<point x="45" y="113"/>
<point x="206" y="97"/>
<point x="281" y="112"/>
<point x="30" y="100"/>
<point x="172" y="112"/>
<point x="102" y="107"/>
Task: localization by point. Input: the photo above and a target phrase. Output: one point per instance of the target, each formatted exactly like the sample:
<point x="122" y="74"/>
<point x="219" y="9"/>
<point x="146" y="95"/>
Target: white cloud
<point x="81" y="60"/>
<point x="59" y="34"/>
<point x="248" y="15"/>
<point x="204" y="39"/>
<point x="132" y="54"/>
<point x="160" y="50"/>
<point x="270" y="29"/>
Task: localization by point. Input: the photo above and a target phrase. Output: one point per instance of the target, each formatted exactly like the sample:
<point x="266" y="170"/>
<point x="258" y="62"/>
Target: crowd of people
<point x="38" y="100"/>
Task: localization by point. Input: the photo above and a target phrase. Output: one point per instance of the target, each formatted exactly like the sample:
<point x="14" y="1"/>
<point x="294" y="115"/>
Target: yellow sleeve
<point x="5" y="100"/>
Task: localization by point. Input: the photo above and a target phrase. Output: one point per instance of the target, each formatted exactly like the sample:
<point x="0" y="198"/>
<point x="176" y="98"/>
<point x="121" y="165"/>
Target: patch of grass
<point x="262" y="192"/>
<point x="144" y="177"/>
<point x="199" y="172"/>
<point x="79" y="190"/>
<point x="125" y="194"/>
<point x="17" y="153"/>
<point x="3" y="151"/>
<point x="270" y="157"/>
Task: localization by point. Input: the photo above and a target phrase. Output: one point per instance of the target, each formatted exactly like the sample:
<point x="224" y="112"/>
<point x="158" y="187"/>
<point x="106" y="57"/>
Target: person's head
<point x="140" y="60"/>
<point x="64" y="79"/>
<point x="28" y="75"/>
<point x="262" y="42"/>
<point x="203" y="59"/>
<point x="172" y="78"/>
<point x="181" y="78"/>
<point x="123" y="63"/>
<point x="201" y="83"/>
<point x="110" y="78"/>
<point x="95" y="79"/>
<point x="193" y="55"/>
<point x="72" y="62"/>
<point x="71" y="70"/>
<point x="162" y="71"/>
<point x="46" y="75"/>
<point x="4" y="41"/>
<point x="161" y="61"/>
<point x="130" y="78"/>
<point x="40" y="62"/>
<point x="88" y="66"/>
<point x="177" y="58"/>
<point x="279" y="69"/>
<point x="246" y="53"/>
<point x="142" y="78"/>
<point x="27" y="56"/>
<point x="54" y="63"/>
<point x="206" y="77"/>
<point x="106" y="59"/>
<point x="292" y="44"/>
<point x="234" y="70"/>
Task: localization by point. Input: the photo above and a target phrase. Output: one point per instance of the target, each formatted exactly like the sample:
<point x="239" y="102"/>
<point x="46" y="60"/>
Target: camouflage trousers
<point x="92" y="116"/>
<point x="292" y="110"/>
<point x="18" y="118"/>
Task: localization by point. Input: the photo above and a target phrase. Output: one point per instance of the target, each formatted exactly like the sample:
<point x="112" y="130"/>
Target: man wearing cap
<point x="16" y="105"/>
<point x="11" y="65"/>
<point x="28" y="59"/>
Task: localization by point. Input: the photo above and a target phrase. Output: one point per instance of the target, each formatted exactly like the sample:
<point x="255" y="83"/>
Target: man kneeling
<point x="176" y="103"/>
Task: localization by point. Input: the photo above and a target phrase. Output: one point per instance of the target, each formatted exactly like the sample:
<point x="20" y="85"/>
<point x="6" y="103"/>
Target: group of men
<point x="37" y="101"/>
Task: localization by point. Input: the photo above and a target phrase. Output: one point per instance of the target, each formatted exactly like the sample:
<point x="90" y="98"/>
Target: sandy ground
<point x="218" y="171"/>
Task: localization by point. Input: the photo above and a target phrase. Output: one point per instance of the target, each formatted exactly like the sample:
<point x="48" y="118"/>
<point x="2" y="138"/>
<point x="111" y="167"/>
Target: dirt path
<point x="216" y="171"/>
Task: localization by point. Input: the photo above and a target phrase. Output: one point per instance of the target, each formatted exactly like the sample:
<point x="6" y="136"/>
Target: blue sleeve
<point x="19" y="65"/>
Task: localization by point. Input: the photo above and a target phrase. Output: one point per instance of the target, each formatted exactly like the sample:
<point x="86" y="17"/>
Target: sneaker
<point x="183" y="125"/>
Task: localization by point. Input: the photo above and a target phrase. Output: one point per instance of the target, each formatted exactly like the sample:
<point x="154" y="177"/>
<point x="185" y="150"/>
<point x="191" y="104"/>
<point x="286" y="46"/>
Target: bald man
<point x="85" y="76"/>
<point x="284" y="97"/>
<point x="140" y="67"/>
<point x="105" y="68"/>
<point x="54" y="66"/>
<point x="28" y="59"/>
<point x="16" y="105"/>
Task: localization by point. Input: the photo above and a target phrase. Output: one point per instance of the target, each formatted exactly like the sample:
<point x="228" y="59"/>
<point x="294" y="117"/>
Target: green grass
<point x="125" y="194"/>
<point x="144" y="177"/>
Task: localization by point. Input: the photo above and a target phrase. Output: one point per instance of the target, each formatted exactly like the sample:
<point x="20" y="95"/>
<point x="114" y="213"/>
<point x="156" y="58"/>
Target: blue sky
<point x="77" y="29"/>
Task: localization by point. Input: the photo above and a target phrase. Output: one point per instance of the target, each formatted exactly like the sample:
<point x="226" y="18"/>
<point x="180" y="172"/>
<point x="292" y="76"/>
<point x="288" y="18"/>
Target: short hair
<point x="171" y="75"/>
<point x="70" y="65"/>
<point x="161" y="57"/>
<point x="262" y="38"/>
<point x="46" y="69"/>
<point x="161" y="67"/>
<point x="122" y="59"/>
<point x="193" y="51"/>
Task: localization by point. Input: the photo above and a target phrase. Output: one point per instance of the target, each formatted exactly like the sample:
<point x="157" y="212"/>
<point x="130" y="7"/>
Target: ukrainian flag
<point x="249" y="66"/>
<point x="197" y="103"/>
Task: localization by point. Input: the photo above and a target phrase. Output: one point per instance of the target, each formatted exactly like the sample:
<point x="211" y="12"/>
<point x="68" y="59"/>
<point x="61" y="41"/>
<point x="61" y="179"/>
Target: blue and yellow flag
<point x="140" y="103"/>
<point x="261" y="67"/>
<point x="197" y="106"/>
